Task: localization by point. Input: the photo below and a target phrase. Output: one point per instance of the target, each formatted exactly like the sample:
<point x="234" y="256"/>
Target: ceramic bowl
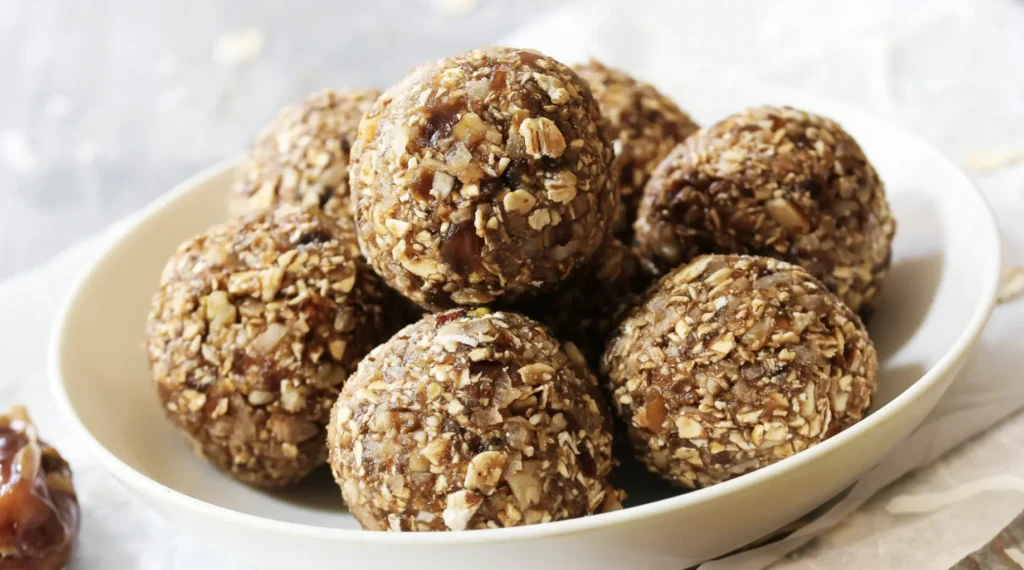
<point x="937" y="300"/>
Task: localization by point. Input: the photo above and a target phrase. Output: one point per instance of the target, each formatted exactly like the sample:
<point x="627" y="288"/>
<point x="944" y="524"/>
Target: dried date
<point x="39" y="512"/>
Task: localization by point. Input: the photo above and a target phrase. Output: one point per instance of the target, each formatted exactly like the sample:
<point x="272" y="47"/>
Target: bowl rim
<point x="128" y="475"/>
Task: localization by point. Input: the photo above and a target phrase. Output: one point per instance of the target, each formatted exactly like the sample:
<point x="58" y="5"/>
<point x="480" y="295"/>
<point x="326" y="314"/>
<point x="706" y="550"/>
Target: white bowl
<point x="937" y="300"/>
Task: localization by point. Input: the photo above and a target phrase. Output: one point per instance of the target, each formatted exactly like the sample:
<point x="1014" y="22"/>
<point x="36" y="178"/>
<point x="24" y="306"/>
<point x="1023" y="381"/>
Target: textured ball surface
<point x="584" y="309"/>
<point x="645" y="126"/>
<point x="482" y="176"/>
<point x="301" y="158"/>
<point x="777" y="182"/>
<point x="255" y="328"/>
<point x="471" y="419"/>
<point x="733" y="363"/>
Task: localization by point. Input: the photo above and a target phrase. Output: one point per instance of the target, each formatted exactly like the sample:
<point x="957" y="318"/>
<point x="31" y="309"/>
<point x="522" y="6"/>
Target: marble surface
<point x="108" y="103"/>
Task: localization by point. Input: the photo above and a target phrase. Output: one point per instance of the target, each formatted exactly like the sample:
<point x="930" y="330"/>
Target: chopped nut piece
<point x="484" y="471"/>
<point x="260" y="397"/>
<point x="289" y="450"/>
<point x="536" y="373"/>
<point x="442" y="185"/>
<point x="219" y="311"/>
<point x="554" y="88"/>
<point x="221" y="409"/>
<point x="526" y="487"/>
<point x="470" y="128"/>
<point x="398" y="227"/>
<point x="519" y="202"/>
<point x="724" y="344"/>
<point x="540" y="219"/>
<point x="783" y="212"/>
<point x="269" y="338"/>
<point x="194" y="401"/>
<point x="688" y="428"/>
<point x="460" y="508"/>
<point x="562" y="188"/>
<point x="455" y="407"/>
<point x="292" y="399"/>
<point x="397" y="140"/>
<point x="337" y="348"/>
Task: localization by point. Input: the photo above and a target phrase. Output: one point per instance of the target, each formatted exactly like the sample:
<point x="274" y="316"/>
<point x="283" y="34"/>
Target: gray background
<point x="105" y="104"/>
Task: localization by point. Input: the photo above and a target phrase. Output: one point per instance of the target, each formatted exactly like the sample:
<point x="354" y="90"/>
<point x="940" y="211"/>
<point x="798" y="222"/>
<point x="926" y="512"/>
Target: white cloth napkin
<point x="939" y="67"/>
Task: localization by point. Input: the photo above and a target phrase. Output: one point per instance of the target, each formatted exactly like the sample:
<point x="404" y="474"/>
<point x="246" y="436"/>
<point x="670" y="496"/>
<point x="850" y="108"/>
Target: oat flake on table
<point x="1011" y="285"/>
<point x="239" y="46"/>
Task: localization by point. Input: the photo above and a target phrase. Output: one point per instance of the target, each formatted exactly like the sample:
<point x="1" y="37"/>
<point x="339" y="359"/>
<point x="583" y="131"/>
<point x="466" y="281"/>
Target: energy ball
<point x="777" y="182"/>
<point x="735" y="362"/>
<point x="646" y="126"/>
<point x="471" y="419"/>
<point x="301" y="158"/>
<point x="256" y="326"/>
<point x="583" y="309"/>
<point x="483" y="176"/>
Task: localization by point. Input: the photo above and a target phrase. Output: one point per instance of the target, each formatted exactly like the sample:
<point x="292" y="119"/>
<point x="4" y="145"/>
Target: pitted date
<point x="39" y="513"/>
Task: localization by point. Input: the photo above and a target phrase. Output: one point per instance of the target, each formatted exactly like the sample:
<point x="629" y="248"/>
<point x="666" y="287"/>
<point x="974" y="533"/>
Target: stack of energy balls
<point x="579" y="251"/>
